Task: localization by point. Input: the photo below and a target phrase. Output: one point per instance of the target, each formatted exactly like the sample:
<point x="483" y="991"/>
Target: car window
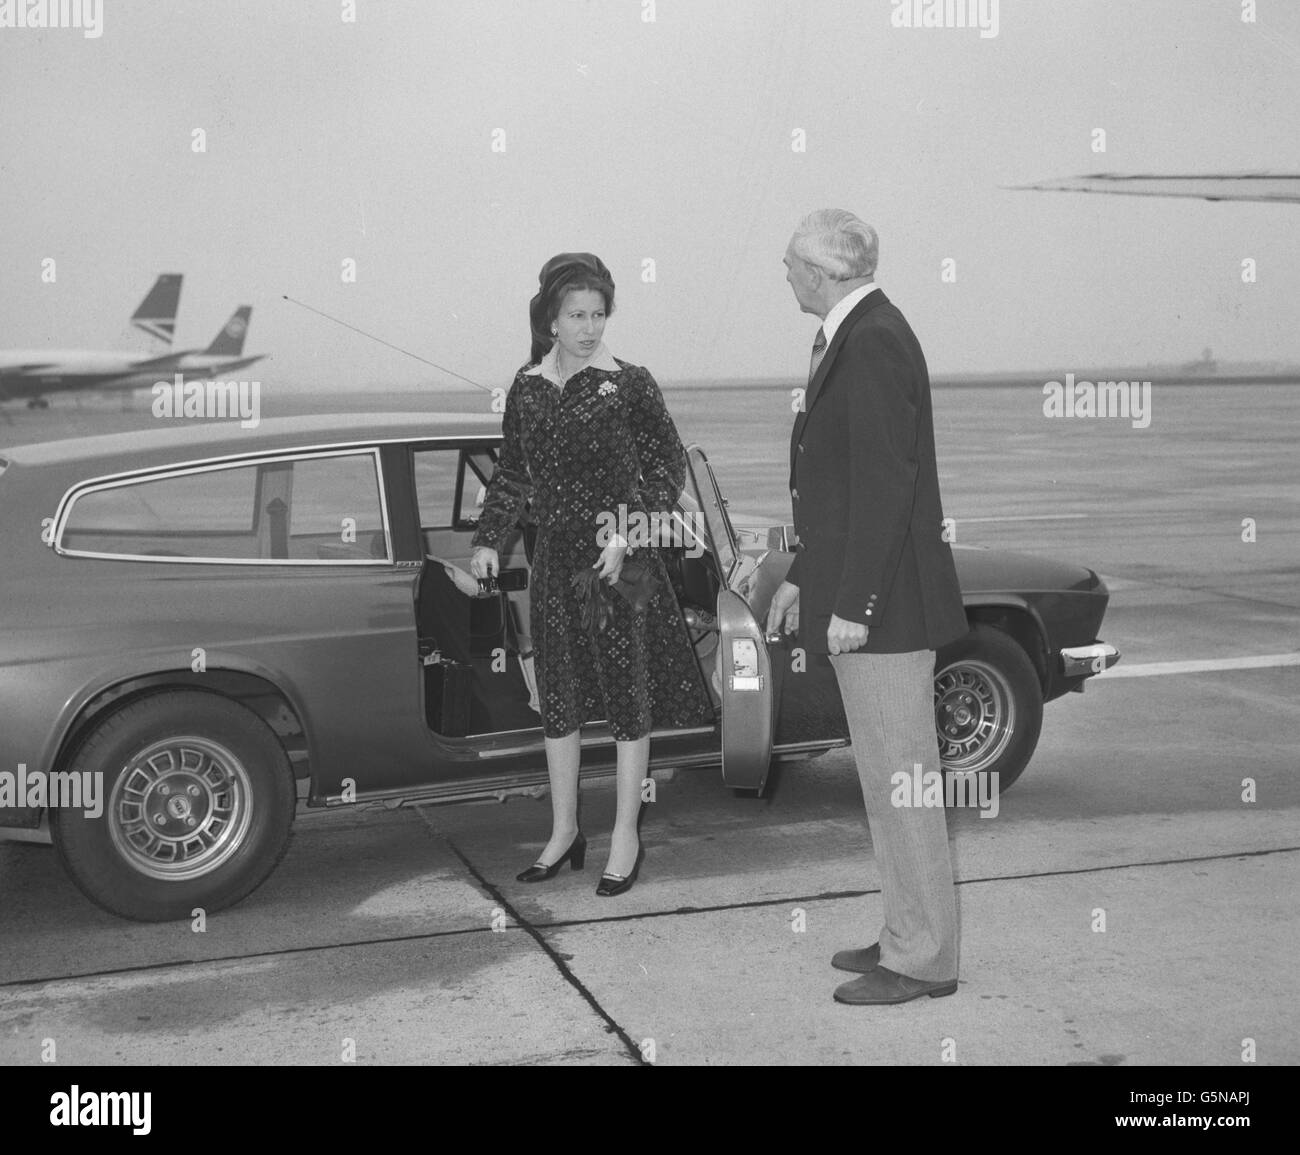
<point x="435" y="486"/>
<point x="450" y="485"/>
<point x="707" y="500"/>
<point x="482" y="463"/>
<point x="335" y="509"/>
<point x="322" y="508"/>
<point x="190" y="515"/>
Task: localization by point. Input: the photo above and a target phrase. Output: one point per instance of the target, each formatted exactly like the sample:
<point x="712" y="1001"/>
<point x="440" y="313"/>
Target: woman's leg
<point x="633" y="763"/>
<point x="562" y="758"/>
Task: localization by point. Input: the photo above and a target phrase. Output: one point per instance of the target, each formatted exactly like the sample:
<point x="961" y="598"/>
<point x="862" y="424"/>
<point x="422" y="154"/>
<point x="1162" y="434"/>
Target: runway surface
<point x="1126" y="906"/>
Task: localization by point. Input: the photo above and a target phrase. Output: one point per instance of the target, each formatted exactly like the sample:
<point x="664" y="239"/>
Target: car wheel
<point x="198" y="800"/>
<point x="988" y="706"/>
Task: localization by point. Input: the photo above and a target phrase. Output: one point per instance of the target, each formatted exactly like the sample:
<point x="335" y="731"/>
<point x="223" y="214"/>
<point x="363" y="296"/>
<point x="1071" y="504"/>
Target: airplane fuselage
<point x="26" y="373"/>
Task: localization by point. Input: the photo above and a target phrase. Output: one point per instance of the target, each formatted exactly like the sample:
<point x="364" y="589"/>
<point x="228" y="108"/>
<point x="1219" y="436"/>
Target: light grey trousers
<point x="889" y="702"/>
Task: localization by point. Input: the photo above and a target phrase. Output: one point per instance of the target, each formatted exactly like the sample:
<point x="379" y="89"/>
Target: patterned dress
<point x="603" y="440"/>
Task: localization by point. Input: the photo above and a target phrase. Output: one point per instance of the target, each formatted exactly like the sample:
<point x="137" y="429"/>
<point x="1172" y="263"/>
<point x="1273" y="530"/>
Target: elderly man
<point x="873" y="586"/>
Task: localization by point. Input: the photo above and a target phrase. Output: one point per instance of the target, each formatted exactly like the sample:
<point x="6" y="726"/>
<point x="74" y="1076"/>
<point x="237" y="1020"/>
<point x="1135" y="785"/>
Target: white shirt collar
<point x="844" y="307"/>
<point x="546" y="367"/>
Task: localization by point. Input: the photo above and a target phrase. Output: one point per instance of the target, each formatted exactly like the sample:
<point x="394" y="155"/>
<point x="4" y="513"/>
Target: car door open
<point x="745" y="676"/>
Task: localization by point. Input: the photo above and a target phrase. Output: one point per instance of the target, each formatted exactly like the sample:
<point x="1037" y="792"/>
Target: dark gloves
<point x="594" y="593"/>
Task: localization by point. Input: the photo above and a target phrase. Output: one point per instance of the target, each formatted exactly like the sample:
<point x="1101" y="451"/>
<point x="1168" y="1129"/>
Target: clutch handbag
<point x="637" y="585"/>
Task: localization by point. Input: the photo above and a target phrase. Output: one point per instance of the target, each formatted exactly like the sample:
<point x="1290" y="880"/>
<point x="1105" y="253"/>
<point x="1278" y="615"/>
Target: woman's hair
<point x="561" y="275"/>
<point x="838" y="243"/>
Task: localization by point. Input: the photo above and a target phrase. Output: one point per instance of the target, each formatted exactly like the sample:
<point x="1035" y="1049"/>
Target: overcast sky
<point x="667" y="140"/>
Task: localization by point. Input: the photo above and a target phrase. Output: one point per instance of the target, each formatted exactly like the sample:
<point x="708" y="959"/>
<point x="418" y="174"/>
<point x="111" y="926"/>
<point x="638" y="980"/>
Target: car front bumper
<point x="1084" y="661"/>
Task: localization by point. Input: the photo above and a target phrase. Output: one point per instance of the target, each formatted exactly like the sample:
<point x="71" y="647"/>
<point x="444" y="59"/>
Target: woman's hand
<point x="484" y="562"/>
<point x="461" y="580"/>
<point x="610" y="563"/>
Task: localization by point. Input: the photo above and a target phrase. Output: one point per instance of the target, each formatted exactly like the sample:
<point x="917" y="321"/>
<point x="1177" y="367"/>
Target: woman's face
<point x="580" y="323"/>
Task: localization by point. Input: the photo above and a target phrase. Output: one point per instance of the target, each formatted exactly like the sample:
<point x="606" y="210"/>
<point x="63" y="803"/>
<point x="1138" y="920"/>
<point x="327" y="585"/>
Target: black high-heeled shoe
<point x="576" y="855"/>
<point x="612" y="884"/>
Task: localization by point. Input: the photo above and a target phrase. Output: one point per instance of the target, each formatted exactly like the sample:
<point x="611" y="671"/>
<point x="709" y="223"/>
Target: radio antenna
<point x="425" y="360"/>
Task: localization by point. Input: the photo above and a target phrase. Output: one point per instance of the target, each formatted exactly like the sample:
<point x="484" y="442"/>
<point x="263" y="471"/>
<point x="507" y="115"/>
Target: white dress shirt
<point x="547" y="367"/>
<point x="843" y="308"/>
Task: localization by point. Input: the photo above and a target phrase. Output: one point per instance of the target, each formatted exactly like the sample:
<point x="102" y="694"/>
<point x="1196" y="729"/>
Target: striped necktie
<point x="818" y="352"/>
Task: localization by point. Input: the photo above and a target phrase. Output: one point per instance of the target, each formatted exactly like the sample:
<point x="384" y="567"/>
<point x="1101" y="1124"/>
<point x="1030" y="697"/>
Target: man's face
<point x="802" y="279"/>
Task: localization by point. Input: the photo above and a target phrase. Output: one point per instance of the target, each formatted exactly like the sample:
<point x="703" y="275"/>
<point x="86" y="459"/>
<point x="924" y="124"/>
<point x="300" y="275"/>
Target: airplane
<point x="35" y="371"/>
<point x="1258" y="187"/>
<point x="1268" y="188"/>
<point x="156" y="315"/>
<point x="224" y="355"/>
<point x="33" y="374"/>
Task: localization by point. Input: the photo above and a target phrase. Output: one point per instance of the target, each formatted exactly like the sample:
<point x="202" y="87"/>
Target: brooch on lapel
<point x="606" y="388"/>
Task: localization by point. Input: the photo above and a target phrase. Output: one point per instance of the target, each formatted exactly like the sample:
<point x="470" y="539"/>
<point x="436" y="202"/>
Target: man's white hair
<point x="838" y="243"/>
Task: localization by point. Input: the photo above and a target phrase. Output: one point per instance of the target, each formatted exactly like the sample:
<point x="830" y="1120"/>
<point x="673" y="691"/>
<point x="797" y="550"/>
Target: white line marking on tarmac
<point x="1024" y="517"/>
<point x="1199" y="666"/>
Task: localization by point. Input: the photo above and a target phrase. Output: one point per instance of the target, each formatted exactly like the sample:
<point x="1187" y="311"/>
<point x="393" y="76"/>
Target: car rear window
<point x="316" y="509"/>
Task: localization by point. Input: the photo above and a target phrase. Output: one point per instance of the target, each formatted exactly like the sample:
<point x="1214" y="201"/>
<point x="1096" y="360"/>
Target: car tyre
<point x="988" y="706"/>
<point x="198" y="802"/>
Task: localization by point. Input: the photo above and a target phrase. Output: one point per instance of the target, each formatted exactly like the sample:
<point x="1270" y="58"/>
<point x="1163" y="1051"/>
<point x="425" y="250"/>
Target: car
<point x="203" y="627"/>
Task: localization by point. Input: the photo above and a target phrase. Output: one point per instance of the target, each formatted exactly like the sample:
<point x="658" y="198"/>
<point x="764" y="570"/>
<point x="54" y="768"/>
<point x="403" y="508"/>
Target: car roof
<point x="144" y="447"/>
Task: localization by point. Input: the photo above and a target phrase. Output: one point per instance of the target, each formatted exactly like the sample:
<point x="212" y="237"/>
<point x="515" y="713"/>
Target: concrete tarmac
<point x="1126" y="906"/>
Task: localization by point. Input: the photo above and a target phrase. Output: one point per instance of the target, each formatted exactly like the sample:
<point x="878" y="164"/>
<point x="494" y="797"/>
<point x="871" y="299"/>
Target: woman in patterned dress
<point x="583" y="434"/>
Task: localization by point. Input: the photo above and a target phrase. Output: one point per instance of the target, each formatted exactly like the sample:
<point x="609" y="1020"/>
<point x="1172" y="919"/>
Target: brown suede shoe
<point x="857" y="961"/>
<point x="882" y="986"/>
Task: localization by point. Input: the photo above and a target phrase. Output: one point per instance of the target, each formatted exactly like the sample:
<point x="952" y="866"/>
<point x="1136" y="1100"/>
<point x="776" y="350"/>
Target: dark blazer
<point x="865" y="491"/>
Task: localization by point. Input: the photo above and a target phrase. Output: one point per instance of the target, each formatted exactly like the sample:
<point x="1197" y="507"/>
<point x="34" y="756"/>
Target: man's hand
<point x="844" y="637"/>
<point x="783" y="613"/>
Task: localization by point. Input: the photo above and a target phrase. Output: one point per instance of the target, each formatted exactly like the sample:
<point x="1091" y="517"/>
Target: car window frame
<point x="467" y="465"/>
<point x="162" y="473"/>
<point x="465" y="451"/>
<point x="726" y="571"/>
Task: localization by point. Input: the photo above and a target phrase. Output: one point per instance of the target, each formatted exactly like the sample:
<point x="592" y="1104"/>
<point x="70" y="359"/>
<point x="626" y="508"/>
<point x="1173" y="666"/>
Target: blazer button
<point x="800" y="447"/>
<point x="868" y="613"/>
<point x="795" y="494"/>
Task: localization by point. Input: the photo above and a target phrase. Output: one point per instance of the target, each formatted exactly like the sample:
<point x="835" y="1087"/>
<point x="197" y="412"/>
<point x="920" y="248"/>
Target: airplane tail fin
<point x="230" y="341"/>
<point x="157" y="312"/>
